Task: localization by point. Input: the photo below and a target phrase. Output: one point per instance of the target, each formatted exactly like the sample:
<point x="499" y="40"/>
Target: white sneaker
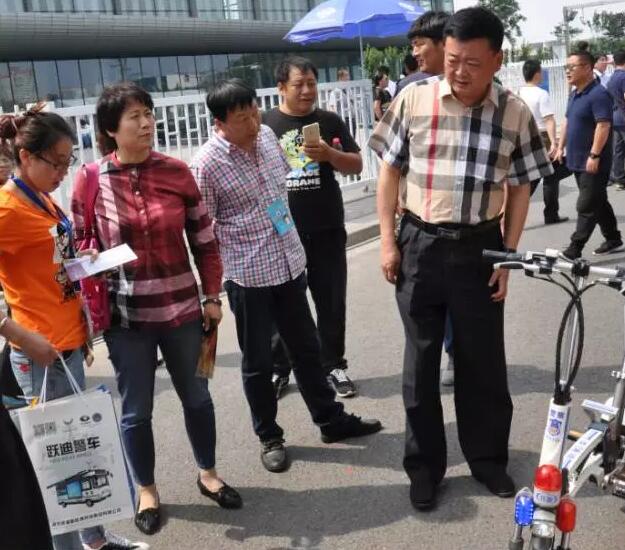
<point x="447" y="374"/>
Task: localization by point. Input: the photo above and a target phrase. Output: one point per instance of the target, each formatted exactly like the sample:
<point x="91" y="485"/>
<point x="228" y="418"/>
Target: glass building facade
<point x="71" y="82"/>
<point x="78" y="81"/>
<point x="262" y="10"/>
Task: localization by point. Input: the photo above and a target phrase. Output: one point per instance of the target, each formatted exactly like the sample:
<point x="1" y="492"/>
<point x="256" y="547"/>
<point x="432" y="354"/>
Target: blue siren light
<point x="524" y="507"/>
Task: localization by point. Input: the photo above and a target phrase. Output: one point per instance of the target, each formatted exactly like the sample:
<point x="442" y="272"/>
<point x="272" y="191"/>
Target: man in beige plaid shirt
<point x="461" y="140"/>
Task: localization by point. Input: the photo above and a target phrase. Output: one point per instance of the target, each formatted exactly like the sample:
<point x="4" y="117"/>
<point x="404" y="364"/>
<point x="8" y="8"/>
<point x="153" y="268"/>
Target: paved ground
<point x="355" y="496"/>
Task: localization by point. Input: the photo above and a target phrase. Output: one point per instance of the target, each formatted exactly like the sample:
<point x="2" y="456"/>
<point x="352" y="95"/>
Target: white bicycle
<point x="597" y="454"/>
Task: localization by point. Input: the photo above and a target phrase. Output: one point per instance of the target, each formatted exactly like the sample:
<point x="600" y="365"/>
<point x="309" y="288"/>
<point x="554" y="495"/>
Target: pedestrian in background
<point x="381" y="95"/>
<point x="411" y="73"/>
<point x="392" y="85"/>
<point x="616" y="87"/>
<point x="540" y="104"/>
<point x="150" y="201"/>
<point x="587" y="136"/>
<point x="242" y="172"/>
<point x="447" y="137"/>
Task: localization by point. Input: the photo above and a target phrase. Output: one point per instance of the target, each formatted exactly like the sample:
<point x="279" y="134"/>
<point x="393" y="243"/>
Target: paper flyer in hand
<point x="80" y="268"/>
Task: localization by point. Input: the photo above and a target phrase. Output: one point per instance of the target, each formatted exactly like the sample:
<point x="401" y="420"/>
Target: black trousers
<point x="23" y="519"/>
<point x="593" y="208"/>
<point x="551" y="191"/>
<point x="257" y="311"/>
<point x="326" y="270"/>
<point x="618" y="158"/>
<point x="439" y="276"/>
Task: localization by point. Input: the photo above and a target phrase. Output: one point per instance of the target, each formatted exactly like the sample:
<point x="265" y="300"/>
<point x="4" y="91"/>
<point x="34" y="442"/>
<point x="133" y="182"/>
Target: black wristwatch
<point x="215" y="301"/>
<point x="594" y="156"/>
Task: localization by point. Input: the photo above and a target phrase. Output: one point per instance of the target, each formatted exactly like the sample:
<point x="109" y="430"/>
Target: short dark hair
<point x="378" y="76"/>
<point x="35" y="130"/>
<point x="111" y="106"/>
<point x="473" y="23"/>
<point x="582" y="50"/>
<point x="384" y="70"/>
<point x="619" y="57"/>
<point x="429" y="25"/>
<point x="530" y="68"/>
<point x="410" y="63"/>
<point x="294" y="62"/>
<point x="585" y="56"/>
<point x="229" y="95"/>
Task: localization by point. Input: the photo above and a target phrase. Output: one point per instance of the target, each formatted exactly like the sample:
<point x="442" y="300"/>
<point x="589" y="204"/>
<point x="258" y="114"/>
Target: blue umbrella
<point x="355" y="19"/>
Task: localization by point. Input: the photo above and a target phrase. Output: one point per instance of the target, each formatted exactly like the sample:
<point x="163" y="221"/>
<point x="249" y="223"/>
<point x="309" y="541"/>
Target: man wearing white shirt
<point x="392" y="85"/>
<point x="540" y="104"/>
<point x="600" y="70"/>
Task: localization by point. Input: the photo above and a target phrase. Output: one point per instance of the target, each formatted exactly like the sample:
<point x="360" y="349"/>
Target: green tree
<point x="611" y="25"/>
<point x="510" y="14"/>
<point x="559" y="31"/>
<point x="390" y="56"/>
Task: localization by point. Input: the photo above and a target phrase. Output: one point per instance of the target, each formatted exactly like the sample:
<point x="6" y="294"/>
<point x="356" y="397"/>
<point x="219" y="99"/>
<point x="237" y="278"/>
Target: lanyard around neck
<point x="35" y="198"/>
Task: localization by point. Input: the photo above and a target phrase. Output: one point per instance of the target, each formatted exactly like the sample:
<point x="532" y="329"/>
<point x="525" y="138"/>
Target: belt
<point x="454" y="232"/>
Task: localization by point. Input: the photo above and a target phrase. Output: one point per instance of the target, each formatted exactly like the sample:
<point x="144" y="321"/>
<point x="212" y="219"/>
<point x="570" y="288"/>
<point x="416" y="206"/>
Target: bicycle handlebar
<point x="495" y="255"/>
<point x="549" y="261"/>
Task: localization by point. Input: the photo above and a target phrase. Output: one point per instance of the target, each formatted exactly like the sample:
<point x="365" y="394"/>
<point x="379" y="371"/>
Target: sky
<point x="543" y="15"/>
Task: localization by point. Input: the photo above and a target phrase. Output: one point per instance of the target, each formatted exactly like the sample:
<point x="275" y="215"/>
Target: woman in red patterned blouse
<point x="150" y="201"/>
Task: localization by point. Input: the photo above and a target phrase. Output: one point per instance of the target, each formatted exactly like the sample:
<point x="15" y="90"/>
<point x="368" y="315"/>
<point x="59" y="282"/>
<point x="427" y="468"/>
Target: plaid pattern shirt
<point x="150" y="206"/>
<point x="237" y="188"/>
<point x="457" y="158"/>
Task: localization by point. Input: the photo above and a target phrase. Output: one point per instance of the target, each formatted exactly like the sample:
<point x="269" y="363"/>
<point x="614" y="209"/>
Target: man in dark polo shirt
<point x="587" y="135"/>
<point x="462" y="141"/>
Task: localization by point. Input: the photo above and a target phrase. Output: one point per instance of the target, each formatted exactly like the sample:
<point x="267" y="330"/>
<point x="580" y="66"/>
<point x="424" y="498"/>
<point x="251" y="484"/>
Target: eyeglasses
<point x="58" y="165"/>
<point x="571" y="67"/>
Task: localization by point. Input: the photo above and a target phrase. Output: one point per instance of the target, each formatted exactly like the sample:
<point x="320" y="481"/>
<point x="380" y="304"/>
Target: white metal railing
<point x="184" y="124"/>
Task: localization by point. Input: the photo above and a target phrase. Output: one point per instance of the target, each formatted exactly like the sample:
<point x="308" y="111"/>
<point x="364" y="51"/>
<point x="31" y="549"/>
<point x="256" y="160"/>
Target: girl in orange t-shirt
<point x="35" y="238"/>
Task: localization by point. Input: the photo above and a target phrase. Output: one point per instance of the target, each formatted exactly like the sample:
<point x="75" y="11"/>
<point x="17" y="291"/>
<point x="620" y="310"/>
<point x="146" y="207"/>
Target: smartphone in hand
<point x="312" y="134"/>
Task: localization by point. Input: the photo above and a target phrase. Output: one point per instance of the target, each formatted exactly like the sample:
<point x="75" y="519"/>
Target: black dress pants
<point x="551" y="191"/>
<point x="440" y="276"/>
<point x="256" y="311"/>
<point x="593" y="208"/>
<point x="326" y="270"/>
<point x="23" y="519"/>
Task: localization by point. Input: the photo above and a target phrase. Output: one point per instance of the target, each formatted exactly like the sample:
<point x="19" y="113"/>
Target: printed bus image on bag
<point x="86" y="487"/>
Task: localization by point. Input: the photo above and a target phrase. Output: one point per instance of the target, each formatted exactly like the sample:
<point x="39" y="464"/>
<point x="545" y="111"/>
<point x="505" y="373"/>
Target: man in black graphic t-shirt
<point x="317" y="207"/>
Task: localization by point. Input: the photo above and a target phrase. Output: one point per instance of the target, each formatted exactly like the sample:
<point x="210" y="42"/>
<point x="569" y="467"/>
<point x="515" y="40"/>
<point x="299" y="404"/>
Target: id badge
<point x="280" y="217"/>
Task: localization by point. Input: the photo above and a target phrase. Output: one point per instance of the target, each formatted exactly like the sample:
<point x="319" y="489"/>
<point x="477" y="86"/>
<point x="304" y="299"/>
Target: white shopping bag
<point x="75" y="447"/>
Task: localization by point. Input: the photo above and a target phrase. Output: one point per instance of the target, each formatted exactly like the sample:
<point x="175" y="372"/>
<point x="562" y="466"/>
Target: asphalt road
<point x="355" y="496"/>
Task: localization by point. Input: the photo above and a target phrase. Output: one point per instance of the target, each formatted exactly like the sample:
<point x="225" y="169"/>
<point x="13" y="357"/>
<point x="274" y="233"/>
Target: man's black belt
<point x="453" y="231"/>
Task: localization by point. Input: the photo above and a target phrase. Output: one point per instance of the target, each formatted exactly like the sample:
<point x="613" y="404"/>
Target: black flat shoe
<point x="497" y="481"/>
<point x="148" y="521"/>
<point x="560" y="219"/>
<point x="423" y="496"/>
<point x="226" y="497"/>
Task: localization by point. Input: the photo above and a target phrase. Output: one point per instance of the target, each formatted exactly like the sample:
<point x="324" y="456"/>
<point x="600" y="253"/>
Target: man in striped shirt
<point x="241" y="172"/>
<point x="460" y="140"/>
